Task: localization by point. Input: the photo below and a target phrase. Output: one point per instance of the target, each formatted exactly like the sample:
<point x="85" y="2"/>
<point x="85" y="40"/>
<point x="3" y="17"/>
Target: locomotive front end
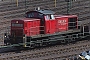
<point x="16" y="31"/>
<point x="16" y="35"/>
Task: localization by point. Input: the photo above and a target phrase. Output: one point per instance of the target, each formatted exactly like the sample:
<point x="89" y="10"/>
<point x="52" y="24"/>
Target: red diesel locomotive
<point x="42" y="27"/>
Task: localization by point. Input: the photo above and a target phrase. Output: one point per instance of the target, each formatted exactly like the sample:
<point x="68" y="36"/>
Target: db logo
<point x="62" y="22"/>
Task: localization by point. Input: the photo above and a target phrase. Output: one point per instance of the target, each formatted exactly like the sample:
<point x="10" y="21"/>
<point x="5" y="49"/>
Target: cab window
<point x="17" y="25"/>
<point x="50" y="17"/>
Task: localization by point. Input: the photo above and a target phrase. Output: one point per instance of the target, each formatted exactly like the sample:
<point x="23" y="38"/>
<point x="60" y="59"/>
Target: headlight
<point x="5" y="36"/>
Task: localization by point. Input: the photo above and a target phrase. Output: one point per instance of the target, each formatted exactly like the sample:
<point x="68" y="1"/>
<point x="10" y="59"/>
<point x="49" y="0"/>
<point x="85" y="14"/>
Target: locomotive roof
<point x="46" y="11"/>
<point x="58" y="16"/>
<point x="43" y="11"/>
<point x="26" y="19"/>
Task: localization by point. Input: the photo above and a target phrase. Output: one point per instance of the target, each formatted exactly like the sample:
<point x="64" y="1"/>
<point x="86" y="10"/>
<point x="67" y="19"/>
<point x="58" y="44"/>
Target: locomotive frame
<point x="58" y="38"/>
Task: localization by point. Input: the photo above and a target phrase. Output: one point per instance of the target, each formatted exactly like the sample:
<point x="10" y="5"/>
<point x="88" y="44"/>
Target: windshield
<point x="17" y="25"/>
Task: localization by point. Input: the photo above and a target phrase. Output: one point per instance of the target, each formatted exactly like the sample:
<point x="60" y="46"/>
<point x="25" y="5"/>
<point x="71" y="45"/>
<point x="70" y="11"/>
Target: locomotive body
<point x="42" y="27"/>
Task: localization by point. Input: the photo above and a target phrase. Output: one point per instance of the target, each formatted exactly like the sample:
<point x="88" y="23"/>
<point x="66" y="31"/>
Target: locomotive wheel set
<point x="42" y="27"/>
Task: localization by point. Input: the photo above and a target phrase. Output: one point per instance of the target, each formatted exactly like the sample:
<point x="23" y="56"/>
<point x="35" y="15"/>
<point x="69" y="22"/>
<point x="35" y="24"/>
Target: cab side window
<point x="48" y="17"/>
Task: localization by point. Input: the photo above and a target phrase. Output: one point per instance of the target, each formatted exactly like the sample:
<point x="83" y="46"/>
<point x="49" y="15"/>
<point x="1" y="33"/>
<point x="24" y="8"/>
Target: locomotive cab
<point x="47" y="20"/>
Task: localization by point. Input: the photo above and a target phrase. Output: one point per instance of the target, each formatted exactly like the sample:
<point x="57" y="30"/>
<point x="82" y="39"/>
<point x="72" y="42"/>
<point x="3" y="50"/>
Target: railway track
<point x="48" y="53"/>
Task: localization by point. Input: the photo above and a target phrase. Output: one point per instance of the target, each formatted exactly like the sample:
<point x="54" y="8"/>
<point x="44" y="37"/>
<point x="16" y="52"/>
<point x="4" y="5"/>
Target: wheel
<point x="32" y="46"/>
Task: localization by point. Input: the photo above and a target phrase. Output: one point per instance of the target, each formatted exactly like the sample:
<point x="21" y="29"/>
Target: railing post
<point x="24" y="40"/>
